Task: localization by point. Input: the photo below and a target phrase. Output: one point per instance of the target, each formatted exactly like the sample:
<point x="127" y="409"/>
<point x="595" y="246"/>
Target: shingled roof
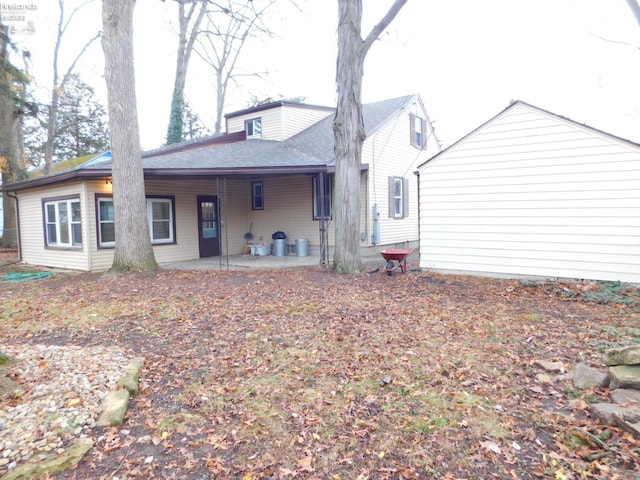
<point x="310" y="151"/>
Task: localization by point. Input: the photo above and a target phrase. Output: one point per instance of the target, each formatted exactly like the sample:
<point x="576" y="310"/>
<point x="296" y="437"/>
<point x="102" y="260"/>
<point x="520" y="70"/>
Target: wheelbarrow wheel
<point x="389" y="267"/>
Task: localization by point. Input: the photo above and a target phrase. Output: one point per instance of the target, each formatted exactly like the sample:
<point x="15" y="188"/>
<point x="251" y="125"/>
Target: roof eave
<point x="59" y="178"/>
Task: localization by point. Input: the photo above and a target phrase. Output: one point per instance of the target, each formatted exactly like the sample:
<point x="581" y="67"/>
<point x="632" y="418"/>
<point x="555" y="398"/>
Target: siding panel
<point x="32" y="239"/>
<point x="533" y="194"/>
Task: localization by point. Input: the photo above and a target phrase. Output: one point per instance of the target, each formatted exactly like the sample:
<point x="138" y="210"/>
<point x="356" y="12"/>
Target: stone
<point x="114" y="408"/>
<point x="629" y="355"/>
<point x="604" y="411"/>
<point x="625" y="395"/>
<point x="628" y="419"/>
<point x="52" y="464"/>
<point x="585" y="377"/>
<point x="625" y="376"/>
<point x="130" y="380"/>
<point x="544" y="378"/>
<point x="553" y="367"/>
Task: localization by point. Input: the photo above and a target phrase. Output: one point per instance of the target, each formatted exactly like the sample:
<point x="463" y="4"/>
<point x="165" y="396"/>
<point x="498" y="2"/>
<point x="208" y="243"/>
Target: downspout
<point x="15" y="199"/>
<point x="417" y="174"/>
<point x="86" y="211"/>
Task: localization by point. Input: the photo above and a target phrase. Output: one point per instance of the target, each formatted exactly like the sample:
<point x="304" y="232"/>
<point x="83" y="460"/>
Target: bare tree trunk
<point x="58" y="84"/>
<point x="186" y="40"/>
<point x="228" y="28"/>
<point x="133" y="251"/>
<point x="634" y="5"/>
<point x="12" y="171"/>
<point x="348" y="129"/>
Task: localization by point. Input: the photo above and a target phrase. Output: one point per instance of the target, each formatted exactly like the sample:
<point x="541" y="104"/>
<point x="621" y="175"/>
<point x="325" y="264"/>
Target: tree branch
<point x="382" y="24"/>
<point x="66" y="76"/>
<point x="635" y="9"/>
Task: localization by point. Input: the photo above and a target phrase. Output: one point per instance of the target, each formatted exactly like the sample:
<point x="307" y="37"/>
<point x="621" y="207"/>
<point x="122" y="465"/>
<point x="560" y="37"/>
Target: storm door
<point x="208" y="226"/>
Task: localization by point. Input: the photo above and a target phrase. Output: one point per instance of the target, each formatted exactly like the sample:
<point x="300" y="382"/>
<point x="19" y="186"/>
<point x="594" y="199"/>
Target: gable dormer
<point x="275" y="120"/>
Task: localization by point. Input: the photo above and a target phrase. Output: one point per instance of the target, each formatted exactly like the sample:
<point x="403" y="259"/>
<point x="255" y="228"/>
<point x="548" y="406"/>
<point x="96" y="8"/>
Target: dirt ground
<point x="303" y="373"/>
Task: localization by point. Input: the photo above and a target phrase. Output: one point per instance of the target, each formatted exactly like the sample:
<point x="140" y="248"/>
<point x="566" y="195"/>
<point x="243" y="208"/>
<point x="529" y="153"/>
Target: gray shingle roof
<point x="253" y="153"/>
<point x="309" y="150"/>
<point x="318" y="140"/>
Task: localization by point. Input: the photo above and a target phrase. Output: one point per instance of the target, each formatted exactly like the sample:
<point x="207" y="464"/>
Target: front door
<point x="208" y="226"/>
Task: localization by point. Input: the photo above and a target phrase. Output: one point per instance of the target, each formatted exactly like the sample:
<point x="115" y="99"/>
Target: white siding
<point x="390" y="154"/>
<point x="297" y="119"/>
<point x="233" y="213"/>
<point x="288" y="207"/>
<point x="32" y="235"/>
<point x="531" y="194"/>
<point x="280" y="122"/>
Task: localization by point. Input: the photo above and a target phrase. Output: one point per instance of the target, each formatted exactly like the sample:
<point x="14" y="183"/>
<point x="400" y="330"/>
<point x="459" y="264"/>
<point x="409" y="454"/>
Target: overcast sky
<point x="468" y="59"/>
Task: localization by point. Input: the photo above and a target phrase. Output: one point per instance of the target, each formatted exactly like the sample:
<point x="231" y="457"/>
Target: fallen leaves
<point x="307" y="374"/>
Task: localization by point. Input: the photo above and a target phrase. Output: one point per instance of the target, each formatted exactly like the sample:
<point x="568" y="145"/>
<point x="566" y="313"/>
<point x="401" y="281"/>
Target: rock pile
<point x="623" y="378"/>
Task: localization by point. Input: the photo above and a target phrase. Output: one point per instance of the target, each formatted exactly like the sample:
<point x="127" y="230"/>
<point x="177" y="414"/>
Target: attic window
<point x="418" y="131"/>
<point x="253" y="128"/>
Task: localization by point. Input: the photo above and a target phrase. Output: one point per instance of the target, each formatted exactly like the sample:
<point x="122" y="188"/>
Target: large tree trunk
<point x="348" y="129"/>
<point x="133" y="251"/>
<point x="634" y="5"/>
<point x="11" y="145"/>
<point x="186" y="40"/>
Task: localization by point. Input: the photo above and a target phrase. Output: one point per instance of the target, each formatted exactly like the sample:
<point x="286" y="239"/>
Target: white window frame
<point x="150" y="202"/>
<point x="169" y="221"/>
<point x="328" y="196"/>
<point x="60" y="230"/>
<point x="100" y="222"/>
<point x="418" y="131"/>
<point x="398" y="197"/>
<point x="253" y="128"/>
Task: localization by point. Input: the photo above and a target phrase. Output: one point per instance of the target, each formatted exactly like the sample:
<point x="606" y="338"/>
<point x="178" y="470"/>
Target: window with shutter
<point x="398" y="197"/>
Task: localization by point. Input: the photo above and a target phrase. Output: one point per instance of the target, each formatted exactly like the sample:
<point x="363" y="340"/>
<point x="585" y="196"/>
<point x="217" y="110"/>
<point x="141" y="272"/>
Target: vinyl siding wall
<point x="279" y="123"/>
<point x="390" y="154"/>
<point x="531" y="194"/>
<point x="295" y="119"/>
<point x="288" y="207"/>
<point x="32" y="233"/>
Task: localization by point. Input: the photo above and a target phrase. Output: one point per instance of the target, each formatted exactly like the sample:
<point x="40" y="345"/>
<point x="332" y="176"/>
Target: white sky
<point x="467" y="58"/>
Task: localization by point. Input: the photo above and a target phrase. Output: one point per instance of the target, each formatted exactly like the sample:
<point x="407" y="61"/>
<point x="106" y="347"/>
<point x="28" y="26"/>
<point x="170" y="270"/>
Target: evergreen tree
<point x="82" y="126"/>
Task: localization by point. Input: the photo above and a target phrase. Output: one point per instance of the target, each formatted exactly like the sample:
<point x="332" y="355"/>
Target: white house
<point x="272" y="171"/>
<point x="530" y="193"/>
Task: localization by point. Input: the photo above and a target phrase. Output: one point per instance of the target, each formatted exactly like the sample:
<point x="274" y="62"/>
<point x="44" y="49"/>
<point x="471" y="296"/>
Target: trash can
<point x="301" y="247"/>
<point x="279" y="244"/>
<point x="279" y="247"/>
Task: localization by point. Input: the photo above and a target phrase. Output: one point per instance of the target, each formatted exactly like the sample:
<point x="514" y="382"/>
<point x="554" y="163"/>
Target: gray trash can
<point x="279" y="247"/>
<point x="301" y="247"/>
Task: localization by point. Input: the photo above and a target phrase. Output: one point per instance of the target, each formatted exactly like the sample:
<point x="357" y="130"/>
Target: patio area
<point x="241" y="262"/>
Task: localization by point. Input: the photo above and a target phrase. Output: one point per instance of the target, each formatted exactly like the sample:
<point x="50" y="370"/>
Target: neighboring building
<point x="533" y="194"/>
<point x="272" y="171"/>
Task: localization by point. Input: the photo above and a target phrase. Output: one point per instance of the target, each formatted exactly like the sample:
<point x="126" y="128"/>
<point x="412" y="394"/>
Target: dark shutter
<point x="412" y="133"/>
<point x="405" y="197"/>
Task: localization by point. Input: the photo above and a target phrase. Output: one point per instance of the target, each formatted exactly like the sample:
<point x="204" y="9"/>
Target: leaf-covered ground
<point x="303" y="373"/>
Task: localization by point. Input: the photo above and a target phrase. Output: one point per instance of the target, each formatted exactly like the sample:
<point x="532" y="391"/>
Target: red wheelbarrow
<point x="396" y="255"/>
